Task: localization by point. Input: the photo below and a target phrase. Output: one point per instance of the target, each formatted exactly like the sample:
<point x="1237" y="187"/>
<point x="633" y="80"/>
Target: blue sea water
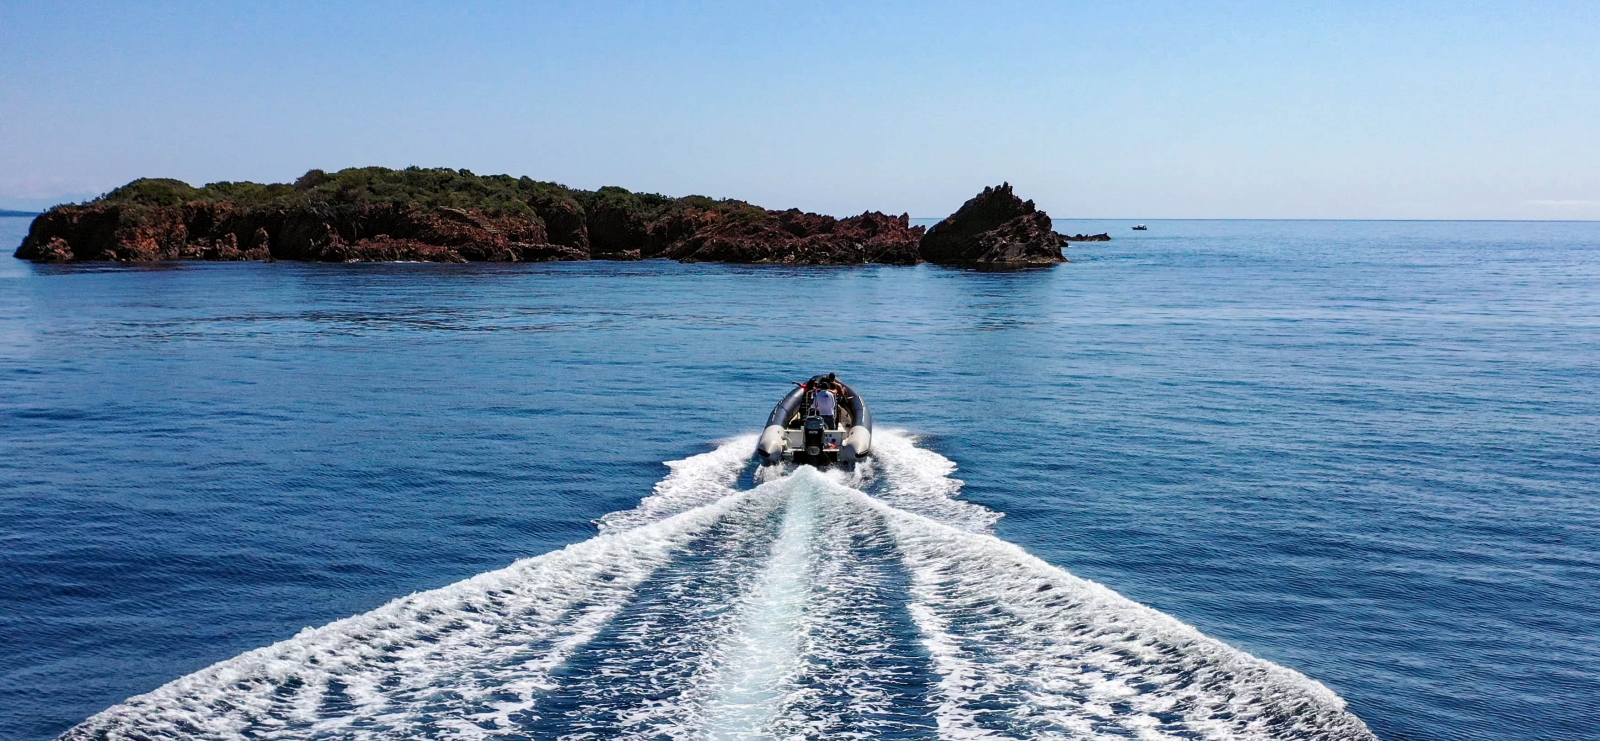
<point x="1365" y="452"/>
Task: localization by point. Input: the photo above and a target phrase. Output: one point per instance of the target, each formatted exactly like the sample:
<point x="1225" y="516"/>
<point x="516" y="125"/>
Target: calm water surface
<point x="1369" y="452"/>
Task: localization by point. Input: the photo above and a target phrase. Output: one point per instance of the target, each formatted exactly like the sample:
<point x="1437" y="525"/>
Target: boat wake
<point x="815" y="604"/>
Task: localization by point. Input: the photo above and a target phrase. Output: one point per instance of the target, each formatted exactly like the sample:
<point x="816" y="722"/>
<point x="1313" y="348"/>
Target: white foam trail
<point x="812" y="653"/>
<point x="763" y="659"/>
<point x="803" y="608"/>
<point x="649" y="675"/>
<point x="1027" y="650"/>
<point x="465" y="659"/>
<point x="858" y="674"/>
<point x="919" y="480"/>
<point x="692" y="482"/>
<point x="777" y="472"/>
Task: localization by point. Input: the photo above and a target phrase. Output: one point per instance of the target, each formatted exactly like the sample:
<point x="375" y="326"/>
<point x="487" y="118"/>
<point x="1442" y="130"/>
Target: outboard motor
<point x="813" y="428"/>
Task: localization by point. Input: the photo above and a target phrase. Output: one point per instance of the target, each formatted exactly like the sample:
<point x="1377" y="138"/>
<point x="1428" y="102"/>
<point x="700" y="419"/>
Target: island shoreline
<point x="441" y="215"/>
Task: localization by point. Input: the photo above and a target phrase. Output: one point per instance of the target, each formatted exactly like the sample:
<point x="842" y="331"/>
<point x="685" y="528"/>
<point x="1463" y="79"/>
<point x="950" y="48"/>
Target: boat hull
<point x="783" y="439"/>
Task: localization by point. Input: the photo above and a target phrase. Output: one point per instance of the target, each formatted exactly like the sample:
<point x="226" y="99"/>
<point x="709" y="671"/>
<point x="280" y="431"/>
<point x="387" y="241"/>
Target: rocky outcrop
<point x="441" y="215"/>
<point x="995" y="227"/>
<point x="796" y="238"/>
<point x="374" y="214"/>
<point x="1101" y="237"/>
<point x="563" y="221"/>
<point x="224" y="231"/>
<point x="98" y="232"/>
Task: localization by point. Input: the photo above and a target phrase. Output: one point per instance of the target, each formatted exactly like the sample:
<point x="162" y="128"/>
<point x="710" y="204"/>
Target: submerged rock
<point x="994" y="227"/>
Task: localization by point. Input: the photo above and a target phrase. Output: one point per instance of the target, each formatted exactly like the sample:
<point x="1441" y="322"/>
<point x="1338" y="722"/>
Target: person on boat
<point x="826" y="404"/>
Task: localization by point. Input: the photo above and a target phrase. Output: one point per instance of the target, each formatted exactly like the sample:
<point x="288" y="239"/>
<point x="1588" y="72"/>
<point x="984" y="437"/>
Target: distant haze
<point x="1136" y="110"/>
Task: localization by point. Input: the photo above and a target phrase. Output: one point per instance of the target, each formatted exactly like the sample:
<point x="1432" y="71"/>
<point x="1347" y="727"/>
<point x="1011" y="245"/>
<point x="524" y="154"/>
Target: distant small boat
<point x="1140" y="227"/>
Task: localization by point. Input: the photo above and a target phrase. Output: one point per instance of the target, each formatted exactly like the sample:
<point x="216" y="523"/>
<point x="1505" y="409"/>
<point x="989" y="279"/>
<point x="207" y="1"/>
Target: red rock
<point x="380" y="214"/>
<point x="797" y="238"/>
<point x="220" y="231"/>
<point x="56" y="250"/>
<point x="994" y="227"/>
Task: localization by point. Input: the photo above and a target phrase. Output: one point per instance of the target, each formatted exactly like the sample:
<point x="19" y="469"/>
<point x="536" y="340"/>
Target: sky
<point x="1144" y="110"/>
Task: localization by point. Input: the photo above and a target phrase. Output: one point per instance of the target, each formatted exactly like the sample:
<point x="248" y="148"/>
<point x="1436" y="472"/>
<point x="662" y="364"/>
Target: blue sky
<point x="1130" y="109"/>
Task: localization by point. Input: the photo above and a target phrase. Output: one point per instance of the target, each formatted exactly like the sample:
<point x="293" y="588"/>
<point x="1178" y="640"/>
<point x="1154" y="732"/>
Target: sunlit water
<point x="1215" y="480"/>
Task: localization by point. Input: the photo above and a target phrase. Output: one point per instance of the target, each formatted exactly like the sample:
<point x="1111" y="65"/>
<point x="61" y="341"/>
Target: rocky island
<point x="442" y="215"/>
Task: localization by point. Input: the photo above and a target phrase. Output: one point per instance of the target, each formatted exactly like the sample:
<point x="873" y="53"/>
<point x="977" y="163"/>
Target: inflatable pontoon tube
<point x="771" y="446"/>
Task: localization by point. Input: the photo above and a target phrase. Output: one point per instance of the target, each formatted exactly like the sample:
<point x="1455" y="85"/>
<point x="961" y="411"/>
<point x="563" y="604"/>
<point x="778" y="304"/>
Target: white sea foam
<point x="859" y="658"/>
<point x="465" y="660"/>
<point x="692" y="482"/>
<point x="761" y="661"/>
<point x="919" y="480"/>
<point x="802" y="608"/>
<point x="1026" y="649"/>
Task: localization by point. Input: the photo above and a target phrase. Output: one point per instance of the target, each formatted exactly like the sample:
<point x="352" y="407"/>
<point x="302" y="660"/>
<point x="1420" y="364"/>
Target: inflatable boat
<point x="820" y="422"/>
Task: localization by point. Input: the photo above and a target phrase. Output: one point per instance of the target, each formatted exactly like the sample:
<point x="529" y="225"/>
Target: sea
<point x="1212" y="480"/>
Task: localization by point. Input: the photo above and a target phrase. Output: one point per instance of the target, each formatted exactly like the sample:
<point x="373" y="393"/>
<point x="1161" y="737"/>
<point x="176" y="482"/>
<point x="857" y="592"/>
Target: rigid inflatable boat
<point x="800" y="429"/>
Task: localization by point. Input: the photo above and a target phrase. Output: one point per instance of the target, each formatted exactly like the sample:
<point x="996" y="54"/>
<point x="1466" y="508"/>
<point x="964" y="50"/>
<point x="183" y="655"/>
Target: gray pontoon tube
<point x="859" y="442"/>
